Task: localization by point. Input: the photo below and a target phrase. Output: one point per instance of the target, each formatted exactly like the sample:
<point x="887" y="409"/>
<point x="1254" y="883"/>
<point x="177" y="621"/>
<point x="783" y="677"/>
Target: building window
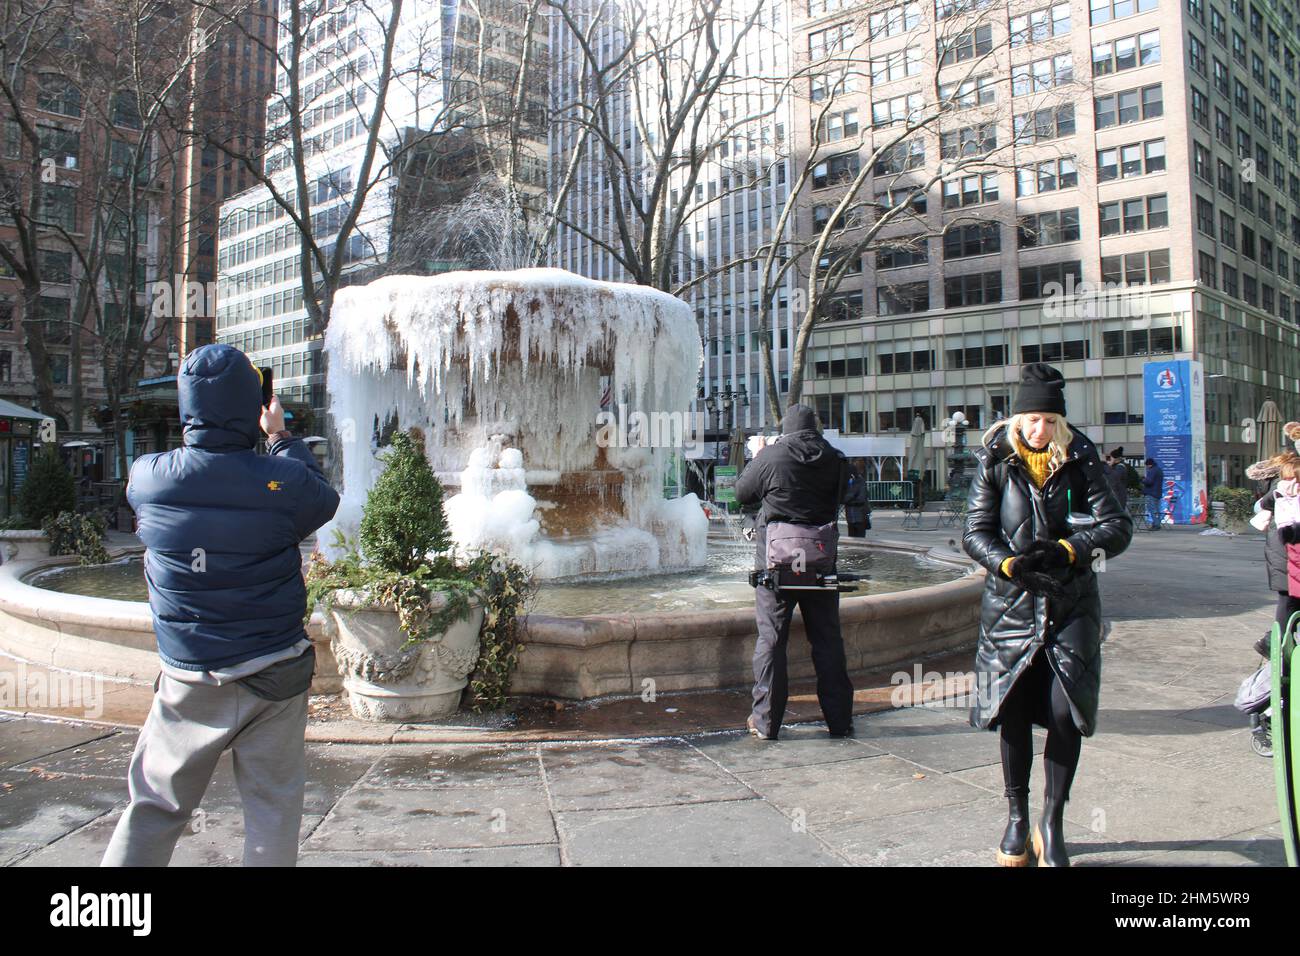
<point x="1201" y="162"/>
<point x="897" y="65"/>
<point x="1046" y="124"/>
<point x="1205" y="216"/>
<point x="1136" y="268"/>
<point x="1103" y="11"/>
<point x="842" y="307"/>
<point x="1134" y="215"/>
<point x="6" y="366"/>
<point x="978" y="288"/>
<point x="897" y="109"/>
<point x="972" y="239"/>
<point x="58" y="94"/>
<point x="978" y="91"/>
<point x="59" y="368"/>
<point x="965" y="46"/>
<point x="912" y="197"/>
<point x="970" y="190"/>
<point x="1206" y="269"/>
<point x="895" y="21"/>
<point x="55" y="266"/>
<point x="977" y="356"/>
<point x="837" y="125"/>
<point x="59" y="205"/>
<point x="1126" y="53"/>
<point x="1227" y="230"/>
<point x="1041" y="24"/>
<point x="1200" y="108"/>
<point x="1230" y="280"/>
<point x="903" y="298"/>
<point x="836" y="170"/>
<point x="1129" y="106"/>
<point x="1048" y="228"/>
<point x="902" y="251"/>
<point x="909" y="154"/>
<point x="1042" y="75"/>
<point x="831" y="41"/>
<point x="1046" y="176"/>
<point x="1135" y="159"/>
<point x="1037" y="282"/>
<point x="969" y="141"/>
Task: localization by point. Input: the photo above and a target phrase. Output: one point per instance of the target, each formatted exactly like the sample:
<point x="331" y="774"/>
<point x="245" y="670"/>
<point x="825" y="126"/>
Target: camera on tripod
<point x="786" y="579"/>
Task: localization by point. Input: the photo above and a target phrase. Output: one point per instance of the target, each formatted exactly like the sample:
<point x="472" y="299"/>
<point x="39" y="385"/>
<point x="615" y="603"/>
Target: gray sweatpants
<point x="188" y="728"/>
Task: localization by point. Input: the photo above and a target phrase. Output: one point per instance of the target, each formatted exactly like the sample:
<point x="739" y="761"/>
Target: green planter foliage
<point x="48" y="490"/>
<point x="1238" y="503"/>
<point x="403" y="520"/>
<point x="402" y="562"/>
<point x="82" y="535"/>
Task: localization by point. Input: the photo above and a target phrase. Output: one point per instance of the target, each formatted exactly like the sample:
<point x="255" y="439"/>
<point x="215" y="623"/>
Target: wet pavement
<point x="1169" y="779"/>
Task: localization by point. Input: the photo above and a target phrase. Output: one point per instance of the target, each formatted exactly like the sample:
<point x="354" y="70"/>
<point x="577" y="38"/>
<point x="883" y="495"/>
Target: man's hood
<point x="801" y="436"/>
<point x="220" y="398"/>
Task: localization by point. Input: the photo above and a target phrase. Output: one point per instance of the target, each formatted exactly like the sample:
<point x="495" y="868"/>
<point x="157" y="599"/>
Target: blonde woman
<point x="1039" y="512"/>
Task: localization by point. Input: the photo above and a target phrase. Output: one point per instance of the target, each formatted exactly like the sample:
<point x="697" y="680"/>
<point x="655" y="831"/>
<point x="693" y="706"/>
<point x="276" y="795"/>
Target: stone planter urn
<point x="23" y="545"/>
<point x="385" y="682"/>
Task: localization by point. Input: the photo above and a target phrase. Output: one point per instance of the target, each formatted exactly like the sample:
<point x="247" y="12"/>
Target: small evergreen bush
<point x="48" y="490"/>
<point x="403" y="521"/>
<point x="402" y="563"/>
<point x="82" y="535"/>
<point x="1238" y="503"/>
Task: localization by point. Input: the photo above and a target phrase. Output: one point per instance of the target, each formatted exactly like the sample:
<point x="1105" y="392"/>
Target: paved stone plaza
<point x="1169" y="779"/>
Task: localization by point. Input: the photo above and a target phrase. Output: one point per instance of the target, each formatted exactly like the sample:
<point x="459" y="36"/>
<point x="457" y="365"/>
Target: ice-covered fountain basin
<point x="720" y="585"/>
<point x="567" y="656"/>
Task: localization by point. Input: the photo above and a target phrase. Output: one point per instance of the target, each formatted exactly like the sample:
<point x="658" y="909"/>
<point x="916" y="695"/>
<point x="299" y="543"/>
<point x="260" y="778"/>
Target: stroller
<point x="1254" y="698"/>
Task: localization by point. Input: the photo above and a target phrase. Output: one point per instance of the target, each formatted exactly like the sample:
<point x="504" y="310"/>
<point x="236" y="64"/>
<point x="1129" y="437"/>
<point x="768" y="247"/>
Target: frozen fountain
<point x="505" y="373"/>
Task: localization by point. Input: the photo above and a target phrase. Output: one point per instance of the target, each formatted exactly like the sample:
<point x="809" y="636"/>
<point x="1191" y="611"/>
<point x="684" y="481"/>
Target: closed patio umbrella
<point x="1268" y="431"/>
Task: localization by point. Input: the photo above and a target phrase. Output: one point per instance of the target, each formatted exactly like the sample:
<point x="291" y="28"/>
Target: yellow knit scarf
<point x="1037" y="463"/>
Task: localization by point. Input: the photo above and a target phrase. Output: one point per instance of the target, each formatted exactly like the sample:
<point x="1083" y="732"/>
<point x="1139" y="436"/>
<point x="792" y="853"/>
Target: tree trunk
<point x="34" y="332"/>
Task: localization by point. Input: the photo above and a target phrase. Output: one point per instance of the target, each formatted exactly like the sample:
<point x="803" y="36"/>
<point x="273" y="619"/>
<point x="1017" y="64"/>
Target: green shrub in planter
<point x="82" y="535"/>
<point x="1238" y="503"/>
<point x="403" y="520"/>
<point x="48" y="490"/>
<point x="403" y="562"/>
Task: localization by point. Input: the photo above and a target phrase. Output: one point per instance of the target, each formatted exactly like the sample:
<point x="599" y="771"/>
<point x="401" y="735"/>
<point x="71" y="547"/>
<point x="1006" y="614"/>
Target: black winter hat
<point x="1042" y="389"/>
<point x="799" y="418"/>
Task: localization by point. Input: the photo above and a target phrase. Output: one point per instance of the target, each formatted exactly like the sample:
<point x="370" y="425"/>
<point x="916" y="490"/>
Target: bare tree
<point x="954" y="109"/>
<point x="410" y="108"/>
<point x="35" y="40"/>
<point x="649" y="111"/>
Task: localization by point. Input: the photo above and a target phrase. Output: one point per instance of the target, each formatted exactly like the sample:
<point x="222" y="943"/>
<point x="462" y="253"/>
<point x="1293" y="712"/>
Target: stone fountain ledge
<point x="578" y="658"/>
<point x="83" y="634"/>
<point x="599" y="655"/>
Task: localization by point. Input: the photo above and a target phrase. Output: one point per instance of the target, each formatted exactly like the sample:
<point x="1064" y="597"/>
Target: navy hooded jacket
<point x="222" y="523"/>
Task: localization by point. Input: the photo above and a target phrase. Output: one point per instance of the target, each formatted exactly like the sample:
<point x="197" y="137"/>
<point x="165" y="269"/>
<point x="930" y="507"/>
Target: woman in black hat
<point x="1040" y="515"/>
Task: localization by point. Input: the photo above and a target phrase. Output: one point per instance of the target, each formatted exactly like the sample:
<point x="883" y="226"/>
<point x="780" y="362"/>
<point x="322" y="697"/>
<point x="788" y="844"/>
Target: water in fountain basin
<point x="720" y="585"/>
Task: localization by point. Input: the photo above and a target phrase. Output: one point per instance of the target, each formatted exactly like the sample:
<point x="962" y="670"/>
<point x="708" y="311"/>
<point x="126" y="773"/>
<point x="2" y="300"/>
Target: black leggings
<point x="1038" y="698"/>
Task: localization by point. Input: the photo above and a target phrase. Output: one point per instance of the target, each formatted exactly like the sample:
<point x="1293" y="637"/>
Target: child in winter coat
<point x="1278" y="515"/>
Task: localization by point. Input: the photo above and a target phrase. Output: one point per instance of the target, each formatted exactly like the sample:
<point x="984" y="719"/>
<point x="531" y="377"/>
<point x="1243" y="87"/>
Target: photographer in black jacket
<point x="799" y="478"/>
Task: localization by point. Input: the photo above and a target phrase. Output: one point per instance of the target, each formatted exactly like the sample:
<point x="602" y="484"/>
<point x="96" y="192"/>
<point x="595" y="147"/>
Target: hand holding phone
<point x="268" y="386"/>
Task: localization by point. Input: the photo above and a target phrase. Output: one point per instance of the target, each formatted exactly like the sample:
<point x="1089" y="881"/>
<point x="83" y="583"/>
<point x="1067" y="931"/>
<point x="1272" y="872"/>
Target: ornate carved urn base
<point x="385" y="682"/>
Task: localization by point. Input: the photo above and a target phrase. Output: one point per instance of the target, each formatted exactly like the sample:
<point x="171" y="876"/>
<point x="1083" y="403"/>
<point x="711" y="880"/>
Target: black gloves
<point x="1053" y="555"/>
<point x="1289" y="533"/>
<point x="1037" y="581"/>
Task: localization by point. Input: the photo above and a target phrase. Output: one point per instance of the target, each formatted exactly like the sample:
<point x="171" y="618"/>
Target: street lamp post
<point x="721" y="403"/>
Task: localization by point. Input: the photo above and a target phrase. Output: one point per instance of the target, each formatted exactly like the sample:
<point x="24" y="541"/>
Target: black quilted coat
<point x="1004" y="513"/>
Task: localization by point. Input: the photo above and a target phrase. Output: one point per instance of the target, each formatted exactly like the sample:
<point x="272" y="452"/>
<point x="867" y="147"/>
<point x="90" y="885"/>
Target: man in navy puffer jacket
<point x="223" y="525"/>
